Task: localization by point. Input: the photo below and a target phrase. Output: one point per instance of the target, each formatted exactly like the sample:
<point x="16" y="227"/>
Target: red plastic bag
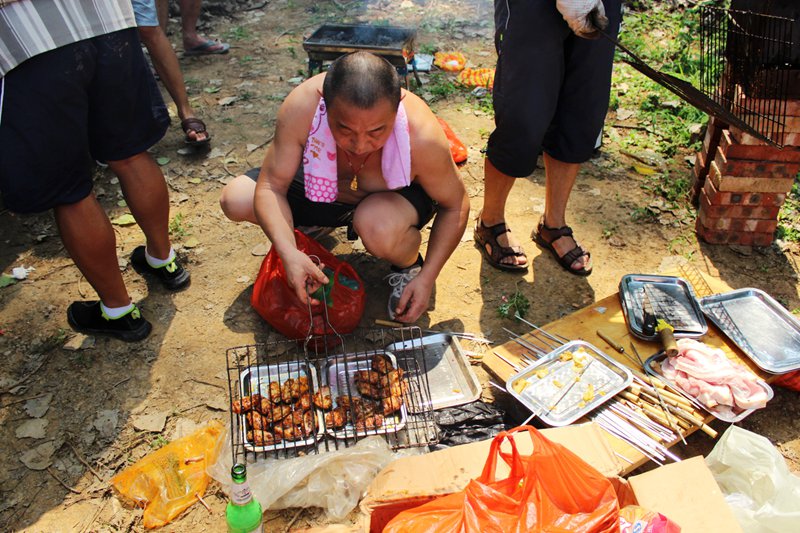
<point x="457" y="148"/>
<point x="550" y="490"/>
<point x="790" y="380"/>
<point x="278" y="304"/>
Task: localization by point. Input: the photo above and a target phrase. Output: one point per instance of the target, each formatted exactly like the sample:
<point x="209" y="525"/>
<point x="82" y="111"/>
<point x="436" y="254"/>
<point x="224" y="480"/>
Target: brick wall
<point x="740" y="183"/>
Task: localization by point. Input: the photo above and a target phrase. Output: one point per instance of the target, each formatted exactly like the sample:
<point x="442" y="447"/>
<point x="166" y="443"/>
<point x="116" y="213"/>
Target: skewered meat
<point x="260" y="437"/>
<point x="246" y="403"/>
<point x="256" y="420"/>
<point x="290" y="390"/>
<point x="265" y="406"/>
<point x="367" y="376"/>
<point x="322" y="398"/>
<point x="391" y="404"/>
<point x="381" y="363"/>
<point x="275" y="391"/>
<point x="344" y="401"/>
<point x="363" y="408"/>
<point x="302" y="383"/>
<point x="365" y="389"/>
<point x="278" y="413"/>
<point x="304" y="403"/>
<point x="393" y="376"/>
<point x="309" y="424"/>
<point x="295" y="418"/>
<point x="336" y="418"/>
<point x="369" y="422"/>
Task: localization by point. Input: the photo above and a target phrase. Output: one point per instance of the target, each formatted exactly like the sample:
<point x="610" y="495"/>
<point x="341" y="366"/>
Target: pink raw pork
<point x="707" y="374"/>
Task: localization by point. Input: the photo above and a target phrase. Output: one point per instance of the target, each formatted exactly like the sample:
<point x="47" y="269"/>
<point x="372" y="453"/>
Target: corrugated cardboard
<point x="412" y="481"/>
<point x="684" y="492"/>
<point x="687" y="494"/>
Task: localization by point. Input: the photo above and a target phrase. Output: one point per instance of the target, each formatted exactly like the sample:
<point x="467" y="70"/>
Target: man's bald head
<point x="361" y="79"/>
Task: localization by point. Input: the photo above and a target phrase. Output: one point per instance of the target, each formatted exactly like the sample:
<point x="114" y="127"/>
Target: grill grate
<point x="746" y="66"/>
<point x="292" y="416"/>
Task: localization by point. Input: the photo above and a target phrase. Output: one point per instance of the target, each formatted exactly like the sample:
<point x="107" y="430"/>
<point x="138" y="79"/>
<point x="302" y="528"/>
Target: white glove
<point x="584" y="17"/>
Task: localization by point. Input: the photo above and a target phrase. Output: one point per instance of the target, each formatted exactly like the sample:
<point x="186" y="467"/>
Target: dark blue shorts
<point x="91" y="100"/>
<point x="551" y="87"/>
<point x="336" y="214"/>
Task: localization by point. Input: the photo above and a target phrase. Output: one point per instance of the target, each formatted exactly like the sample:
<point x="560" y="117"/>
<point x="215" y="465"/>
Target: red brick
<point x="747" y="184"/>
<point x="763" y="239"/>
<point x="715" y="197"/>
<point x="711" y="139"/>
<point x="791" y="107"/>
<point x="758" y="169"/>
<point x="787" y="139"/>
<point x="767" y="226"/>
<point x="757" y="152"/>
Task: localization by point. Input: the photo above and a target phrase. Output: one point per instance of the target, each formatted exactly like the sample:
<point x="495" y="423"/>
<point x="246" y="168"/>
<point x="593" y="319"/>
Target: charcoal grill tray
<point x="344" y="38"/>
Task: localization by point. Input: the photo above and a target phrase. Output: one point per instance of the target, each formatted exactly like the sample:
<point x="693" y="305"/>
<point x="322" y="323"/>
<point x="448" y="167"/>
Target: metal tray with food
<point x="668" y="298"/>
<point x="275" y="406"/>
<point x="568" y="383"/>
<point x="449" y="375"/>
<point x="367" y="394"/>
<point x="726" y="413"/>
<point x="760" y="326"/>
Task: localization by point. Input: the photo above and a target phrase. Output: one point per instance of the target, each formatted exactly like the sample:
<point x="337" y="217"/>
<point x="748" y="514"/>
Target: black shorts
<point x="551" y="87"/>
<point x="336" y="214"/>
<point x="94" y="99"/>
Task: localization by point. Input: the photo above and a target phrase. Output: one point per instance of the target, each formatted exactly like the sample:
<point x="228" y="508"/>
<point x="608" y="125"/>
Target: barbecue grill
<point x="331" y="361"/>
<point x="330" y="41"/>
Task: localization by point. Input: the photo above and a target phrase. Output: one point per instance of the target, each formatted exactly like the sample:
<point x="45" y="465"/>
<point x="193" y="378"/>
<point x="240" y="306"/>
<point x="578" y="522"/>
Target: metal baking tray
<point x="761" y="327"/>
<point x="256" y="380"/>
<point x="340" y="372"/>
<point x="546" y="380"/>
<point x="724" y="413"/>
<point x="673" y="299"/>
<point x="449" y="374"/>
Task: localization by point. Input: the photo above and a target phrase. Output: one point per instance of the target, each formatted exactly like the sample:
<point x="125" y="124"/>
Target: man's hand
<point x="414" y="300"/>
<point x="303" y="275"/>
<point x="584" y="17"/>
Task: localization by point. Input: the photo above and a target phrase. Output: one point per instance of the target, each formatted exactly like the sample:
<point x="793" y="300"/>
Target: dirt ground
<point x="82" y="399"/>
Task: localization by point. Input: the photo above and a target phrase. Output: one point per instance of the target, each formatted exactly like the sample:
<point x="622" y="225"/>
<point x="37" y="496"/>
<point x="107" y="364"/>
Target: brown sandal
<point x="568" y="258"/>
<point x="198" y="126"/>
<point x="494" y="256"/>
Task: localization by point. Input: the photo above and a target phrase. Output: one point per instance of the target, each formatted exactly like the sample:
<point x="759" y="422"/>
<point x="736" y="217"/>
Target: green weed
<point x="789" y="216"/>
<point x="238" y="33"/>
<point x="159" y="442"/>
<point x="177" y="228"/>
<point x="516" y="304"/>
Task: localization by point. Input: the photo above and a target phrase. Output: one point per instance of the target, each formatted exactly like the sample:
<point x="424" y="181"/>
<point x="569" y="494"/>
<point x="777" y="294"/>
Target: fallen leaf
<point x="644" y="171"/>
<point x="122" y="203"/>
<point x="216" y="152"/>
<point x="124" y="220"/>
<point x="38" y="406"/>
<point x="243" y="279"/>
<point x="106" y="422"/>
<point x="35" y="428"/>
<point x="40" y="457"/>
<point x="162" y="160"/>
<point x="211" y="90"/>
<point x="616" y="241"/>
<point x="6" y="280"/>
<point x="154" y="422"/>
<point x="191" y="242"/>
<point x="260" y="249"/>
<point x="228" y="100"/>
<point x="217" y="403"/>
<point x="195" y="180"/>
<point x="252" y="147"/>
<point x="79" y="342"/>
<point x="624" y="114"/>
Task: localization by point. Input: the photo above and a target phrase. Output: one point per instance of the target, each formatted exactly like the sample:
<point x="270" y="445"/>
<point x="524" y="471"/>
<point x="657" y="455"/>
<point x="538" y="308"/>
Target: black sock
<point x="418" y="262"/>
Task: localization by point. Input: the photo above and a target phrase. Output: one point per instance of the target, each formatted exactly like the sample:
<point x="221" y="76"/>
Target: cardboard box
<point x="685" y="492"/>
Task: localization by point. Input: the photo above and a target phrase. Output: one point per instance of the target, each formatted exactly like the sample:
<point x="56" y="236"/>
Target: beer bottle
<point x="243" y="513"/>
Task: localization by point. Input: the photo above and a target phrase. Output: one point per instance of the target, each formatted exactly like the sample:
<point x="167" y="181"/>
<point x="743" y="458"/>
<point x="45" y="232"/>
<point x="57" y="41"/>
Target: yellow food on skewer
<point x="557" y="383"/>
<point x="565" y="356"/>
<point x="588" y="394"/>
<point x="520" y="385"/>
<point x="541" y="372"/>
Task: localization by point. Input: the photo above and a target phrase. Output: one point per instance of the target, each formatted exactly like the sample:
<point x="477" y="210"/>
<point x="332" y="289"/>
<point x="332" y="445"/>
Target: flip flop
<point x="198" y="126"/>
<point x="210" y="47"/>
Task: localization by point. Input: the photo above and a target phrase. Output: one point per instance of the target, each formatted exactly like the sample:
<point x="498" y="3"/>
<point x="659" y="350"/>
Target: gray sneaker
<point x="398" y="282"/>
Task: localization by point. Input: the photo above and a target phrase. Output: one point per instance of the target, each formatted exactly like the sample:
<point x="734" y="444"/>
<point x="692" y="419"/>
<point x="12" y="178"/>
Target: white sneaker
<point x="398" y="282"/>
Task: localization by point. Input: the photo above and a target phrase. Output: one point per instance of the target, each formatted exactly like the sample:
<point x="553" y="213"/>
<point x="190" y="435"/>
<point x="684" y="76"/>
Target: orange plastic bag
<point x="550" y="490"/>
<point x="170" y="479"/>
<point x="790" y="380"/>
<point x="457" y="148"/>
<point x="278" y="304"/>
<point x="449" y="61"/>
<point x="477" y="77"/>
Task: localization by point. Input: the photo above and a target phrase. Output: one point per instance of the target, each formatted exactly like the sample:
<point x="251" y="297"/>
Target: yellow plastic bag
<point x="477" y="77"/>
<point x="449" y="61"/>
<point x="169" y="480"/>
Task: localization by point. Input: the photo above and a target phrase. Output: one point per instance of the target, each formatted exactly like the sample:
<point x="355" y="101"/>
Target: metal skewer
<point x="553" y="337"/>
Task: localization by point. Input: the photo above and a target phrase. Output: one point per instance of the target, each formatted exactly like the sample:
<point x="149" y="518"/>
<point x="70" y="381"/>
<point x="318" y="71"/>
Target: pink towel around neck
<point x="319" y="157"/>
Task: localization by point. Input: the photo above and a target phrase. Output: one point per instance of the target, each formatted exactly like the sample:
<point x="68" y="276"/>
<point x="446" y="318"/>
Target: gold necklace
<point x="354" y="181"/>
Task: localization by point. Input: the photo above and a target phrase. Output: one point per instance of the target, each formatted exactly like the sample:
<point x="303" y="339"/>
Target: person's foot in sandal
<point x="506" y="255"/>
<point x="195" y="131"/>
<point x="565" y="249"/>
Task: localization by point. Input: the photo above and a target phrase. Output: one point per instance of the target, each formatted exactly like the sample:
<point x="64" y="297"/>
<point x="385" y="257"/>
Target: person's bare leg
<point x="166" y="64"/>
<point x="190" y="14"/>
<point x="146" y="193"/>
<point x="497" y="187"/>
<point x="236" y="199"/>
<point x="559" y="180"/>
<point x="392" y="238"/>
<point x="162" y="9"/>
<point x="89" y="239"/>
